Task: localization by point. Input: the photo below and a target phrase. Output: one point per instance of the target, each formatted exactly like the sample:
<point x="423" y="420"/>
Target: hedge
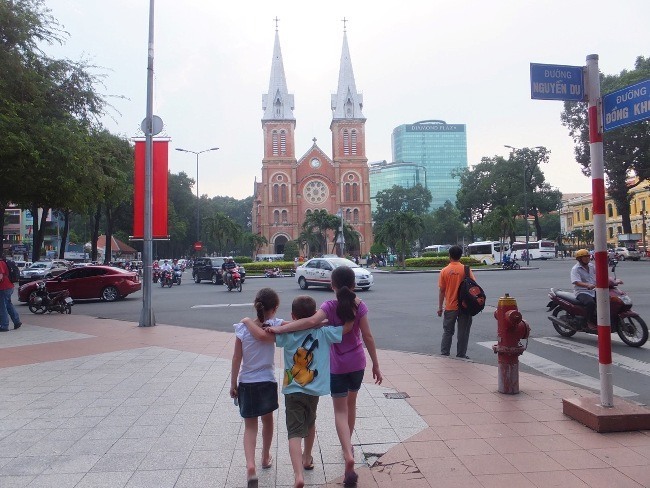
<point x="438" y="262"/>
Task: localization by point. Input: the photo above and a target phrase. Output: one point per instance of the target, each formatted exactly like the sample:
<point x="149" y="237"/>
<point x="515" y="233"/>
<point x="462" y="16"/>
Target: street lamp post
<point x="514" y="149"/>
<point x="198" y="214"/>
<point x="643" y="228"/>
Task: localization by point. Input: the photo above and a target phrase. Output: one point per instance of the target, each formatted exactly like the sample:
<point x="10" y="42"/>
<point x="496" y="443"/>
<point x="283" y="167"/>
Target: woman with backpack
<point x="6" y="290"/>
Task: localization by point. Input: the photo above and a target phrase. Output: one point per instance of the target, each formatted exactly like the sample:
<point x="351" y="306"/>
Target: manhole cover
<point x="396" y="396"/>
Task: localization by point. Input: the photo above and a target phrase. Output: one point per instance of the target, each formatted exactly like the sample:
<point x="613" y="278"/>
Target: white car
<point x="625" y="253"/>
<point x="318" y="272"/>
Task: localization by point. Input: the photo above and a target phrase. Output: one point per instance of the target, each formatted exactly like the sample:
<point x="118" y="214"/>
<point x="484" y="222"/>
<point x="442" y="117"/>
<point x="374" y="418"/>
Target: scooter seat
<point x="568" y="296"/>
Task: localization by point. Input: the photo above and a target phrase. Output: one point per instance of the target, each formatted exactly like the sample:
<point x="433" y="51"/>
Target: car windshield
<point x="38" y="266"/>
<point x="336" y="262"/>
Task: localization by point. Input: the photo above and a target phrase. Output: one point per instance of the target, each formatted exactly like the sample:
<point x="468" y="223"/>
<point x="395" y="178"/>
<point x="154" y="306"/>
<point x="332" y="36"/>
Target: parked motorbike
<point x="177" y="276"/>
<point x="156" y="275"/>
<point x="41" y="301"/>
<point x="273" y="273"/>
<point x="166" y="279"/>
<point x="234" y="282"/>
<point x="569" y="315"/>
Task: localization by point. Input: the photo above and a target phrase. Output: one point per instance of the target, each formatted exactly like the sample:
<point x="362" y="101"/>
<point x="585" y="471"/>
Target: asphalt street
<point x="402" y="316"/>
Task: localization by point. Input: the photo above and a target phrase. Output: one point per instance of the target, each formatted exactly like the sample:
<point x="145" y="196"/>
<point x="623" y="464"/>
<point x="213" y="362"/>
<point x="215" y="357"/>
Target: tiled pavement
<point x="87" y="402"/>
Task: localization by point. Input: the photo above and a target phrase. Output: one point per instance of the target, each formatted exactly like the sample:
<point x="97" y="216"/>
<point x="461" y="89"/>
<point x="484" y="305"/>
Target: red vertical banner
<point x="158" y="189"/>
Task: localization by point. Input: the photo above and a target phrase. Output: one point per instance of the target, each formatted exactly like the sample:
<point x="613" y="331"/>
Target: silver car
<point x="42" y="270"/>
<point x="318" y="272"/>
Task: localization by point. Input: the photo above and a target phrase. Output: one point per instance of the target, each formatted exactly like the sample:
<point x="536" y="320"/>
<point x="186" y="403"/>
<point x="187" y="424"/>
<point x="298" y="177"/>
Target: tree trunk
<point x="95" y="236"/>
<point x="108" y="252"/>
<point x="538" y="226"/>
<point x="3" y="207"/>
<point x="64" y="236"/>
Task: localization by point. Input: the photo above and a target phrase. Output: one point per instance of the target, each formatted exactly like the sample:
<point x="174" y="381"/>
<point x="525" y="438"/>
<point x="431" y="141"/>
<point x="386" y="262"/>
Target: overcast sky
<point x="464" y="62"/>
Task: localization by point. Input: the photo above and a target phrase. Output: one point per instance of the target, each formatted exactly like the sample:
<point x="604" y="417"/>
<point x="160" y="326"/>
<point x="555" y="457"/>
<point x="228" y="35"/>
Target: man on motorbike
<point x="228" y="267"/>
<point x="583" y="278"/>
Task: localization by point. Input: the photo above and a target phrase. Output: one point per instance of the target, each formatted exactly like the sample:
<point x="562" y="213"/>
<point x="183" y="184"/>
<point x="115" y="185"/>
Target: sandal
<point x="252" y="482"/>
<point x="269" y="464"/>
<point x="310" y="465"/>
<point x="351" y="479"/>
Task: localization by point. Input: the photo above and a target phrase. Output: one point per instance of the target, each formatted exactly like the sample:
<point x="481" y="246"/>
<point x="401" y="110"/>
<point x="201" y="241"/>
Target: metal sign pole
<point x="600" y="237"/>
<point x="147" y="318"/>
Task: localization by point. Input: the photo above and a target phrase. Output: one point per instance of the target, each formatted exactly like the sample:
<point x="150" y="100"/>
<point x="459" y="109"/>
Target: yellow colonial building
<point x="576" y="214"/>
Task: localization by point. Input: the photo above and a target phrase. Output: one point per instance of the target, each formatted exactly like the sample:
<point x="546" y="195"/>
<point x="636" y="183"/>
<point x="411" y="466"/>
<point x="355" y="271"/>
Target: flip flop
<point x="309" y="466"/>
<point x="269" y="464"/>
<point x="252" y="482"/>
<point x="351" y="479"/>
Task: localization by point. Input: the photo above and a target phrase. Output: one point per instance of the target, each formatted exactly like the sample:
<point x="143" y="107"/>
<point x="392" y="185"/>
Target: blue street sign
<point x="556" y="82"/>
<point x="626" y="106"/>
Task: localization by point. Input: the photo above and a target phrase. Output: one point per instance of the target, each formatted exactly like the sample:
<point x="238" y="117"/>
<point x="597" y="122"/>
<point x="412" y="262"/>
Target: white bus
<point x="437" y="248"/>
<point x="488" y="252"/>
<point x="536" y="249"/>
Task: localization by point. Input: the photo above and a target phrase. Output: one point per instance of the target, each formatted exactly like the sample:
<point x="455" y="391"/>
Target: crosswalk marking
<point x="618" y="360"/>
<point x="555" y="370"/>
<point x="223" y="305"/>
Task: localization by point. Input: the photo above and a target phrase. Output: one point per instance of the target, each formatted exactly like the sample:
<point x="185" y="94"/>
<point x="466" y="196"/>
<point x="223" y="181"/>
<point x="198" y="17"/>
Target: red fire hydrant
<point x="511" y="329"/>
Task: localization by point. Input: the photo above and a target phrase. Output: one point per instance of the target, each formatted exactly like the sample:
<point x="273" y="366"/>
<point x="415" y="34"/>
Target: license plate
<point x="68" y="300"/>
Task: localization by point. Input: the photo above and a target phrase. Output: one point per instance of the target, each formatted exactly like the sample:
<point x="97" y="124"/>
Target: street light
<point x="525" y="199"/>
<point x="198" y="219"/>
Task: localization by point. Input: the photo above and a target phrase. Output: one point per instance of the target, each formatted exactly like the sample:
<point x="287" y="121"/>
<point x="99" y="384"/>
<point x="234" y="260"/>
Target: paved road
<point x="402" y="318"/>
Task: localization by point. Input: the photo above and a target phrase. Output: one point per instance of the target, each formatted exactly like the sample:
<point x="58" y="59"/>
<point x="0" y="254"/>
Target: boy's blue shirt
<point x="307" y="359"/>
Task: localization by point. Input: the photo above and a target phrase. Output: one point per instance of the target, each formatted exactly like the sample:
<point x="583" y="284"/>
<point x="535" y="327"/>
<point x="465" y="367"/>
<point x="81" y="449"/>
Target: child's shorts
<point x="257" y="399"/>
<point x="342" y="383"/>
<point x="300" y="410"/>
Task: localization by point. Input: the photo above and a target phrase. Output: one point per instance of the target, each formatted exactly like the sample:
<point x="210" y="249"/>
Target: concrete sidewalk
<point x="88" y="402"/>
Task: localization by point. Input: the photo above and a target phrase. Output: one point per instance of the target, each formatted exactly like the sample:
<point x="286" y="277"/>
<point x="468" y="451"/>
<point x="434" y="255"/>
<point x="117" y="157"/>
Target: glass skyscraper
<point x="434" y="148"/>
<point x="384" y="175"/>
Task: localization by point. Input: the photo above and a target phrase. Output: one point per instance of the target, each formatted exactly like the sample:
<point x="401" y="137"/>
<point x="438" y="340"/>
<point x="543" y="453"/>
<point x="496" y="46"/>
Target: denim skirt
<point x="257" y="399"/>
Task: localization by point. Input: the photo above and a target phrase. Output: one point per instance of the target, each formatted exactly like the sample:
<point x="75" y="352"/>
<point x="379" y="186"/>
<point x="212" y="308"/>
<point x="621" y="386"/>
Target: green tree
<point x="399" y="199"/>
<point x="443" y="226"/>
<point x="399" y="231"/>
<point x="318" y="223"/>
<point x="626" y="150"/>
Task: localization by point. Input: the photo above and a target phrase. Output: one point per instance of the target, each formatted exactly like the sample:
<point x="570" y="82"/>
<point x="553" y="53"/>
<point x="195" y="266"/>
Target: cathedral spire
<point x="277" y="103"/>
<point x="346" y="103"/>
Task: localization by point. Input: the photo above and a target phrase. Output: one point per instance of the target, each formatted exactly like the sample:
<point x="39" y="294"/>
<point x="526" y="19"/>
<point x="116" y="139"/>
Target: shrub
<point x="243" y="259"/>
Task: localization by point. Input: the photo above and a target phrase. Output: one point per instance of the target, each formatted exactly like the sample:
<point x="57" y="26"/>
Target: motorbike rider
<point x="228" y="266"/>
<point x="583" y="278"/>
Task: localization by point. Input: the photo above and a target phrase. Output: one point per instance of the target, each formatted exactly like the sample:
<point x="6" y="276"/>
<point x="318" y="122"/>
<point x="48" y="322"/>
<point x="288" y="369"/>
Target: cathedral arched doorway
<point x="279" y="243"/>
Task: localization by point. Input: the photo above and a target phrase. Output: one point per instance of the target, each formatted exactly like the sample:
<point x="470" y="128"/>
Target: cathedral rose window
<point x="316" y="191"/>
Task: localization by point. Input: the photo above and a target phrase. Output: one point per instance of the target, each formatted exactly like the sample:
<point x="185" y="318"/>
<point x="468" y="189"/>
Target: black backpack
<point x="14" y="272"/>
<point x="471" y="297"/>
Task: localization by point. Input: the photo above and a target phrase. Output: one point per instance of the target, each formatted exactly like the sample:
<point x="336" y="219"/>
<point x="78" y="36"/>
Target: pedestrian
<point x="252" y="382"/>
<point x="7" y="309"/>
<point x="306" y="378"/>
<point x="347" y="359"/>
<point x="449" y="280"/>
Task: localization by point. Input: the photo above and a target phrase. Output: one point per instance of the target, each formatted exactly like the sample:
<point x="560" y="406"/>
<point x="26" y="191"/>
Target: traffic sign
<point x="626" y="106"/>
<point x="198" y="246"/>
<point x="556" y="82"/>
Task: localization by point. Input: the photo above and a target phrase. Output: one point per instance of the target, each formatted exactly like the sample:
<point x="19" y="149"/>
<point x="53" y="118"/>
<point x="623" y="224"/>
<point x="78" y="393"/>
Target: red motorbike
<point x="166" y="279"/>
<point x="234" y="281"/>
<point x="569" y="315"/>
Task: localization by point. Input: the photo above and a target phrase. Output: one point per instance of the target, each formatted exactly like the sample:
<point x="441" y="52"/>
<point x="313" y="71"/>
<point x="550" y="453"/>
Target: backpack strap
<point x="467" y="271"/>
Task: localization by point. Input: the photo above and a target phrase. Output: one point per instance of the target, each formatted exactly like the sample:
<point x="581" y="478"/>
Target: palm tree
<point x="401" y="228"/>
<point x="321" y="221"/>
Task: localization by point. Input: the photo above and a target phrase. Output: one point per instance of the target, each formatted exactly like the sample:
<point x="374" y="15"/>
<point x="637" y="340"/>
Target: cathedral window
<point x="355" y="192"/>
<point x="283" y="193"/>
<point x="283" y="143"/>
<point x="353" y="143"/>
<point x="346" y="143"/>
<point x="308" y="212"/>
<point x="348" y="215"/>
<point x="356" y="216"/>
<point x="274" y="140"/>
<point x="278" y="108"/>
<point x="276" y="217"/>
<point x="346" y="197"/>
<point x="284" y="216"/>
<point x="276" y="193"/>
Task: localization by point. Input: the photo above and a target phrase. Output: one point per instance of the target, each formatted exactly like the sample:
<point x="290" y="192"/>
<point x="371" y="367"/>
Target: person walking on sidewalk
<point x="449" y="280"/>
<point x="6" y="307"/>
<point x="252" y="381"/>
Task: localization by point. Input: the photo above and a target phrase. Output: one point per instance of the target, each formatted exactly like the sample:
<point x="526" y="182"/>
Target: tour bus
<point x="488" y="252"/>
<point x="437" y="248"/>
<point x="536" y="249"/>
